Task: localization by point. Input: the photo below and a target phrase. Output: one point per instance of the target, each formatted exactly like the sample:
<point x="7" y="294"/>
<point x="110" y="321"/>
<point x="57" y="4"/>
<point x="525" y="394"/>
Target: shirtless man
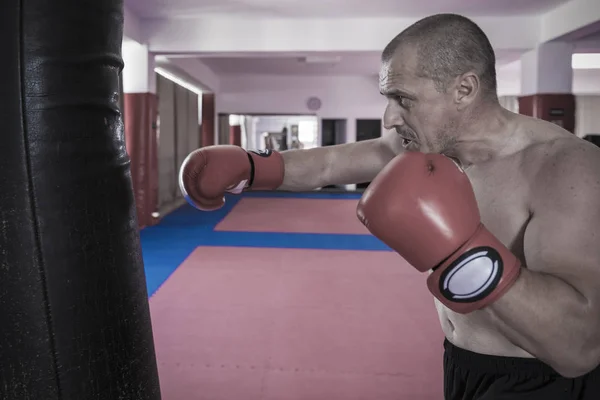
<point x="537" y="191"/>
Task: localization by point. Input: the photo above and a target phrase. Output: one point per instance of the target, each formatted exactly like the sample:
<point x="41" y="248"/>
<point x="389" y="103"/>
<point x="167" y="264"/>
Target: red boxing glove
<point x="424" y="208"/>
<point x="208" y="173"/>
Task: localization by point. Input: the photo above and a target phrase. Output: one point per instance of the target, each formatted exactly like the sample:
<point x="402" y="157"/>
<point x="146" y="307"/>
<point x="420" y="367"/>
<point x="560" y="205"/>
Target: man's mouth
<point x="407" y="135"/>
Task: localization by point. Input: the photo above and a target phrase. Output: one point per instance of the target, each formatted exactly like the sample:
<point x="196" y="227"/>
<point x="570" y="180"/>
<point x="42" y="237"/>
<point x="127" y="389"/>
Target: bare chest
<point x="502" y="193"/>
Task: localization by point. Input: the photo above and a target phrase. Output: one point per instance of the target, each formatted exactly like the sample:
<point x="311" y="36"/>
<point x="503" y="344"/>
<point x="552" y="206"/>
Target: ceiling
<point x="349" y="63"/>
<point x="591" y="40"/>
<point x="337" y="8"/>
<point x="346" y="63"/>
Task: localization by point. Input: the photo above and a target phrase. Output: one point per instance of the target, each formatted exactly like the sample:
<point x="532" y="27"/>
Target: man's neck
<point x="485" y="135"/>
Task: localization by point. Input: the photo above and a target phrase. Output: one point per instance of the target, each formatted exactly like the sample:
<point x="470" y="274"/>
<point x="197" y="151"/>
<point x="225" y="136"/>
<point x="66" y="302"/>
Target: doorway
<point x="277" y="132"/>
<point x="367" y="129"/>
<point x="333" y="132"/>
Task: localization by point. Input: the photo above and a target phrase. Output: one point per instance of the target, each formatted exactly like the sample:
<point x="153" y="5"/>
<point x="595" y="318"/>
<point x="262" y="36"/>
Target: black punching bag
<point x="74" y="315"/>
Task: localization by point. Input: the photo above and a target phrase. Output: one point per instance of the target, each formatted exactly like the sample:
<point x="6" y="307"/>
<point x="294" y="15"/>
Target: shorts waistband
<point x="467" y="359"/>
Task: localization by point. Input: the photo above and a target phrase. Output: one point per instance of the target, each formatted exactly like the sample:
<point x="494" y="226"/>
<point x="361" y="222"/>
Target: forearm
<point x="551" y="320"/>
<point x="305" y="169"/>
<point x="342" y="164"/>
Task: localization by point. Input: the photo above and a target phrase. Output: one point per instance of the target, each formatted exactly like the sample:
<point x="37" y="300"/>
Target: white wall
<point x="261" y="124"/>
<point x="277" y="123"/>
<point x="585" y="81"/>
<point x="586" y="87"/>
<point x="509" y="80"/>
<point x="343" y="97"/>
<point x="587" y="115"/>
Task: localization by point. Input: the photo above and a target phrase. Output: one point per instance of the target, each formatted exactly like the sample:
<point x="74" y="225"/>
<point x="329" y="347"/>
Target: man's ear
<point x="466" y="89"/>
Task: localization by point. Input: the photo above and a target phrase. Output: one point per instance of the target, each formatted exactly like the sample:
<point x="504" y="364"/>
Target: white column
<point x="547" y="69"/>
<point x="138" y="73"/>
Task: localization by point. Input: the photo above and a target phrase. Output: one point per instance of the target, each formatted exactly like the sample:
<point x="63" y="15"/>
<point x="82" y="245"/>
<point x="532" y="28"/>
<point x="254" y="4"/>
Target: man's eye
<point x="406" y="142"/>
<point x="403" y="101"/>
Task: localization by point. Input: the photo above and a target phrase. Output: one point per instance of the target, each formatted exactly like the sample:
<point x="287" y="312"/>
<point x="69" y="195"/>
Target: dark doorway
<point x="367" y="129"/>
<point x="594" y="138"/>
<point x="333" y="132"/>
<point x="223" y="133"/>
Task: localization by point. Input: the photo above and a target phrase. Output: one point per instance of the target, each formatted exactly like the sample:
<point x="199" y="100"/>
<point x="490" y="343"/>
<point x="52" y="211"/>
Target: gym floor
<point x="287" y="296"/>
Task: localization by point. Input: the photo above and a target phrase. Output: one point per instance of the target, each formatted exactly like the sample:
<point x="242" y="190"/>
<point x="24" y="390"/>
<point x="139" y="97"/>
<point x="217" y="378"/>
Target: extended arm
<point x="553" y="309"/>
<point x="209" y="172"/>
<point x="339" y="165"/>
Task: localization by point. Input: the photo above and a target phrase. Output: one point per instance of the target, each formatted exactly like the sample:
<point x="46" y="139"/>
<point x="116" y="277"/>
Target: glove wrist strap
<point x="267" y="170"/>
<point x="478" y="274"/>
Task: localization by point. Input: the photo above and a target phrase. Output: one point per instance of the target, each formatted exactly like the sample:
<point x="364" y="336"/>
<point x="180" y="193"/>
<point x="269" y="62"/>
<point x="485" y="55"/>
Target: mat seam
<point x="33" y="205"/>
<point x="296" y="370"/>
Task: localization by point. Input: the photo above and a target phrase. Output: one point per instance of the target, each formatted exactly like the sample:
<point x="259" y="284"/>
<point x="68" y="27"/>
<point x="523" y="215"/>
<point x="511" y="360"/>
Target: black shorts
<point x="473" y="376"/>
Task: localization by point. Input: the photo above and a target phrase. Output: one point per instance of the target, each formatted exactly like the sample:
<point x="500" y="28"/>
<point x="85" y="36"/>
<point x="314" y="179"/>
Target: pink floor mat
<point x="279" y="324"/>
<point x="294" y="216"/>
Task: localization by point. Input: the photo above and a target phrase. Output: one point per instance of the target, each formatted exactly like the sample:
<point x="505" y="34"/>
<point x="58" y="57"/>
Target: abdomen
<point x="476" y="332"/>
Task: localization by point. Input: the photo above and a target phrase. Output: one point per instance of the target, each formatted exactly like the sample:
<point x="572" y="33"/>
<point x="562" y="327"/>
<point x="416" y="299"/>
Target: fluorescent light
<point x="585" y="61"/>
<point x="177" y="80"/>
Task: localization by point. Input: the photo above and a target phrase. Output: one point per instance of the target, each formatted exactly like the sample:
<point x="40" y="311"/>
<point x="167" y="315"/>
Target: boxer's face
<point x="422" y="116"/>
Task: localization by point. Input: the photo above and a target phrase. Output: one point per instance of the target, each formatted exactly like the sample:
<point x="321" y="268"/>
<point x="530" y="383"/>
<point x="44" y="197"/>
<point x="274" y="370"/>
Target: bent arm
<point x="553" y="310"/>
<point x="549" y="318"/>
<point x="342" y="164"/>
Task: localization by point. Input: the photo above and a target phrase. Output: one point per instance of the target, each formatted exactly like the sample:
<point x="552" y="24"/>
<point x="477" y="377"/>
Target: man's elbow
<point x="578" y="363"/>
<point x="579" y="350"/>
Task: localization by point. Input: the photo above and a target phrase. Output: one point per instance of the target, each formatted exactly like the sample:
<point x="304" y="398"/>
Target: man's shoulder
<point x="567" y="155"/>
<point x="564" y="164"/>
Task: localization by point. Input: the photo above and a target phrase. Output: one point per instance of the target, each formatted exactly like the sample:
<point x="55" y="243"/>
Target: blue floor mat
<point x="166" y="245"/>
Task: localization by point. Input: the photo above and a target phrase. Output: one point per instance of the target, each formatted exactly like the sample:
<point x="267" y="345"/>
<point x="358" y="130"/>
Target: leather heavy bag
<point x="74" y="315"/>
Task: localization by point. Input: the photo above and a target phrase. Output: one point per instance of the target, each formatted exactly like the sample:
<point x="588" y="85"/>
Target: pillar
<point x="546" y="84"/>
<point x="208" y="119"/>
<point x="141" y="127"/>
<point x="235" y="130"/>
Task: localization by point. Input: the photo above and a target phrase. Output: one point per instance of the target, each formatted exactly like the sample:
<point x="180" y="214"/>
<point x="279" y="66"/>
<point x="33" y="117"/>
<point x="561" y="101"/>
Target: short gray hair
<point x="449" y="45"/>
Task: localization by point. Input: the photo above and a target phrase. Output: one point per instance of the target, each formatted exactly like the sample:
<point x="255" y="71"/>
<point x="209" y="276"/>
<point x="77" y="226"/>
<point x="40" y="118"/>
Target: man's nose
<point x="392" y="118"/>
